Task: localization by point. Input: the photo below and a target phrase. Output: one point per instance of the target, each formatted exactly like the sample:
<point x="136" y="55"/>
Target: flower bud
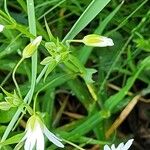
<point x="1" y="27"/>
<point x="30" y="49"/>
<point x="97" y="41"/>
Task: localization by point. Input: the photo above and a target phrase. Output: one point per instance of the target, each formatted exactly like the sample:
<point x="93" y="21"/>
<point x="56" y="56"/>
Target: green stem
<point x="28" y="98"/>
<point x="91" y="90"/>
<point x="32" y="29"/>
<point x="41" y="74"/>
<point x="74" y="145"/>
<point x="13" y="76"/>
<point x="35" y="99"/>
<point x="76" y="41"/>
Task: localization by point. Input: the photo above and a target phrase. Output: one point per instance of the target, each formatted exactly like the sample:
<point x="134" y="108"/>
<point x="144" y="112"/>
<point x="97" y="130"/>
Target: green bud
<point x="5" y="106"/>
<point x="97" y="41"/>
<point x="30" y="49"/>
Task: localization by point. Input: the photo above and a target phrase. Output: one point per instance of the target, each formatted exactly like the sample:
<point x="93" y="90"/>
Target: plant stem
<point x="28" y="98"/>
<point x="75" y="41"/>
<point x="13" y="76"/>
<point x="32" y="29"/>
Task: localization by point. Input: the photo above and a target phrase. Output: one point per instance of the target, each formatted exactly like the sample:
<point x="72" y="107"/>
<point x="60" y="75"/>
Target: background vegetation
<point x="69" y="106"/>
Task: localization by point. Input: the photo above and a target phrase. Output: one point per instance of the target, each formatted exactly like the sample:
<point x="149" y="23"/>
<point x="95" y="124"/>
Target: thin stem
<point x="18" y="112"/>
<point x="91" y="90"/>
<point x="32" y="29"/>
<point x="41" y="74"/>
<point x="13" y="76"/>
<point x="35" y="99"/>
<point x="74" y="145"/>
<point x="76" y="41"/>
<point x="28" y="98"/>
<point x="6" y="78"/>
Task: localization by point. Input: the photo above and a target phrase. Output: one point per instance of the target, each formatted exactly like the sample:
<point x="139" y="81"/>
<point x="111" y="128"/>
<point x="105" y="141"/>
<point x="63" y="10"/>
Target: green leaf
<point x="12" y="140"/>
<point x="143" y="44"/>
<point x="86" y="51"/>
<point x="114" y="100"/>
<point x="76" y="62"/>
<point x="88" y="15"/>
<point x="7" y="115"/>
<point x="6" y="93"/>
<point x="87" y="76"/>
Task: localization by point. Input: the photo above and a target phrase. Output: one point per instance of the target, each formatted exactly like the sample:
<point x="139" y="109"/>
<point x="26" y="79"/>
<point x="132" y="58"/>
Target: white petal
<point x="30" y="142"/>
<point x="113" y="147"/>
<point x="128" y="144"/>
<point x="40" y="140"/>
<point x="107" y="41"/>
<point x="37" y="40"/>
<point x="1" y="27"/>
<point x="50" y="133"/>
<point x="120" y="146"/>
<point x="27" y="144"/>
<point x="106" y="147"/>
<point x="54" y="139"/>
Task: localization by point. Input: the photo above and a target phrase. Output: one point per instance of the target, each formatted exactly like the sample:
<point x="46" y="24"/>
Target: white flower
<point x="121" y="146"/>
<point x="1" y="27"/>
<point x="97" y="41"/>
<point x="34" y="135"/>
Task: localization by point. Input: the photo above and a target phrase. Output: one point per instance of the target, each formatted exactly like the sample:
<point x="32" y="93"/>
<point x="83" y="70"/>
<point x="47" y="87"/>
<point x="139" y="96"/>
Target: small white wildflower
<point x="121" y="146"/>
<point x="97" y="41"/>
<point x="1" y="27"/>
<point x="34" y="135"/>
<point x="30" y="49"/>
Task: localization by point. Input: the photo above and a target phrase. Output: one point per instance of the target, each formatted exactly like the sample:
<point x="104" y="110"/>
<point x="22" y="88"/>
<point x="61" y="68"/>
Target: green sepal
<point x="5" y="92"/>
<point x="46" y="60"/>
<point x="12" y="99"/>
<point x="4" y="106"/>
<point x="51" y="37"/>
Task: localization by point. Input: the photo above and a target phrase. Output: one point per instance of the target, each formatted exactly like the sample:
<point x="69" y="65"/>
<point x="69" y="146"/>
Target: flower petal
<point x="1" y="27"/>
<point x="30" y="141"/>
<point x="54" y="139"/>
<point x="40" y="140"/>
<point x="106" y="147"/>
<point x="113" y="147"/>
<point x="128" y="144"/>
<point x="120" y="146"/>
<point x="53" y="135"/>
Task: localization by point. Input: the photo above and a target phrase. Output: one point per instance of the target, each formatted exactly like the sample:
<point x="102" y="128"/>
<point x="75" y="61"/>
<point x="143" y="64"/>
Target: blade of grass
<point x="32" y="28"/>
<point x="51" y="9"/>
<point x="88" y="15"/>
<point x="85" y="51"/>
<point x="113" y="101"/>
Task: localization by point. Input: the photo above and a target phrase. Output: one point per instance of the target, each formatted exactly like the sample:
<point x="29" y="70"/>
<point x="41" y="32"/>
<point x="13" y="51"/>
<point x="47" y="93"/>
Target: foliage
<point x="68" y="83"/>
